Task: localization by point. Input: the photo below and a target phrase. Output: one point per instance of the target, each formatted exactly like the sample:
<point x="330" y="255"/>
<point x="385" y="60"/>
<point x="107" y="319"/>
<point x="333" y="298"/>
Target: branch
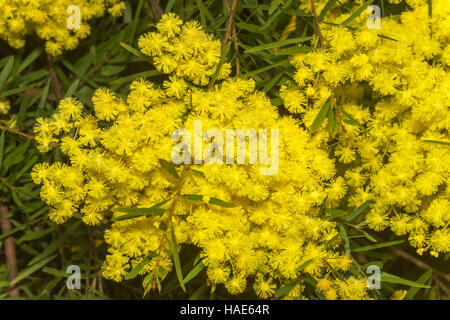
<point x="10" y="251"/>
<point x="229" y="23"/>
<point x="28" y="136"/>
<point x="58" y="88"/>
<point x="319" y="33"/>
<point x="157" y="8"/>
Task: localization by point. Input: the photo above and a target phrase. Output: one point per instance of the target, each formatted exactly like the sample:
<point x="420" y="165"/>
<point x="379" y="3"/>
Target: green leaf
<point x="360" y="210"/>
<point x="32" y="269"/>
<point x="222" y="60"/>
<point x="194" y="272"/>
<point x="327" y="7"/>
<point x="133" y="273"/>
<point x="335" y="213"/>
<point x="145" y="74"/>
<point x="274" y="5"/>
<point x="34" y="235"/>
<point x="170" y="168"/>
<point x="390" y="278"/>
<point x="205" y="12"/>
<point x="293" y="50"/>
<point x="215" y="201"/>
<point x="70" y="91"/>
<point x="277" y="44"/>
<point x="378" y="246"/>
<point x="344" y="237"/>
<point x="2" y="147"/>
<point x="284" y="290"/>
<point x="134" y="51"/>
<point x="139" y="212"/>
<point x="357" y="13"/>
<point x="304" y="265"/>
<point x="422" y="280"/>
<point x="260" y="70"/>
<point x="445" y="143"/>
<point x="430" y="8"/>
<point x="29" y="60"/>
<point x="6" y="70"/>
<point x="321" y="115"/>
<point x="176" y="258"/>
<point x="332" y="123"/>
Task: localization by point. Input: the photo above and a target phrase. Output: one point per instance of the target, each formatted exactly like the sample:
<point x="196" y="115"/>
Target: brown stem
<point x="319" y="32"/>
<point x="229" y="23"/>
<point x="56" y="83"/>
<point x="169" y="221"/>
<point x="157" y="8"/>
<point x="10" y="250"/>
<point x="28" y="136"/>
<point x="236" y="49"/>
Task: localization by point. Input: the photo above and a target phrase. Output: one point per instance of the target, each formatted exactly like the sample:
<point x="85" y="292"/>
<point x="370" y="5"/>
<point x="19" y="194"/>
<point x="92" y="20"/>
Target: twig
<point x="157" y="8"/>
<point x="319" y="33"/>
<point x="58" y="88"/>
<point x="236" y="49"/>
<point x="28" y="136"/>
<point x="10" y="251"/>
<point x="229" y="23"/>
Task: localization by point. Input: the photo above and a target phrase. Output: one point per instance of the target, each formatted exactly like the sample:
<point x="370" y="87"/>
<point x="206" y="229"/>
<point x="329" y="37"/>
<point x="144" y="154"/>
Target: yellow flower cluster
<point x="48" y="19"/>
<point x="4" y="106"/>
<point x="184" y="50"/>
<point x="248" y="226"/>
<point x="388" y="99"/>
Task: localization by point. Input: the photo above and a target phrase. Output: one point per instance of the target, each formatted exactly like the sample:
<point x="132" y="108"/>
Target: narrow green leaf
<point x="430" y="8"/>
<point x="176" y="258"/>
<point x="445" y="143"/>
<point x="332" y="123"/>
<point x="284" y="290"/>
<point x="133" y="273"/>
<point x="139" y="212"/>
<point x="344" y="237"/>
<point x="29" y="60"/>
<point x="422" y="280"/>
<point x="170" y="168"/>
<point x="260" y="70"/>
<point x="360" y="210"/>
<point x="194" y="272"/>
<point x="70" y="91"/>
<point x="2" y="147"/>
<point x="304" y="265"/>
<point x="222" y="60"/>
<point x="134" y="51"/>
<point x="277" y="44"/>
<point x="378" y="246"/>
<point x="204" y="11"/>
<point x="321" y="115"/>
<point x="145" y="74"/>
<point x="274" y="5"/>
<point x="6" y="70"/>
<point x="335" y="213"/>
<point x="32" y="269"/>
<point x="357" y="13"/>
<point x="390" y="278"/>
<point x="327" y="7"/>
<point x="212" y="200"/>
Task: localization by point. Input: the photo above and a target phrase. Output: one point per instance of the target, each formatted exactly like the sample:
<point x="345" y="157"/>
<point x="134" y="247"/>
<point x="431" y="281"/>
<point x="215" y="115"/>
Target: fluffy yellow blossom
<point x="56" y="22"/>
<point x="250" y="229"/>
<point x="387" y="94"/>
